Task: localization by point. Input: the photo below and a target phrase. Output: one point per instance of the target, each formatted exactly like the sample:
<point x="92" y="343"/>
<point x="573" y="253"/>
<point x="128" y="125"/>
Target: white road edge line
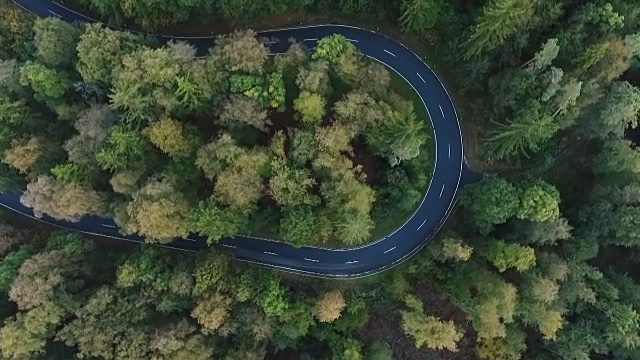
<point x="421" y="225"/>
<point x="314" y="260"/>
<point x="420" y="76"/>
<point x="442" y="190"/>
<point x="270" y="253"/>
<point x="355" y="41"/>
<point x="229" y="246"/>
<point x="55" y="14"/>
<point x="389" y="52"/>
<point x="314" y="39"/>
<point x="352" y="262"/>
<point x="441" y="112"/>
<point x="393" y="248"/>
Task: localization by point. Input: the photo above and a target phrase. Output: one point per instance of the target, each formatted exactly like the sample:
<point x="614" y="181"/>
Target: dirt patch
<point x="385" y="326"/>
<point x="372" y="166"/>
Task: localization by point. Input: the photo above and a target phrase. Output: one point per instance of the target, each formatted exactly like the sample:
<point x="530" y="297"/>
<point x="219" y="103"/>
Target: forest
<point x="538" y="261"/>
<point x="236" y="142"/>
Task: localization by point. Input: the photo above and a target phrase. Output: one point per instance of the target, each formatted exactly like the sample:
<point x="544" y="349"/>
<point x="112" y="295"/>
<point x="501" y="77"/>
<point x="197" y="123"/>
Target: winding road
<point x="449" y="172"/>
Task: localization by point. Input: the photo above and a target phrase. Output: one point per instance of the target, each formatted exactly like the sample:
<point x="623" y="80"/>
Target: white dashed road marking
<point x="393" y="248"/>
<point x="270" y="253"/>
<point x="421" y="225"/>
<point x="420" y="76"/>
<point x="442" y="190"/>
<point x="352" y="262"/>
<point x="314" y="39"/>
<point x="314" y="260"/>
<point x="389" y="52"/>
<point x="108" y="226"/>
<point x="449" y="147"/>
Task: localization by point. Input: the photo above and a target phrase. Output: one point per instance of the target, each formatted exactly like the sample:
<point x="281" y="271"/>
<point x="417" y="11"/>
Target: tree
<point x="547" y="232"/>
<point x="172" y="137"/>
<point x="124" y="148"/>
<point x="214" y="157"/>
<point x="301" y="226"/>
<point x="302" y="146"/>
<point x="311" y="107"/>
<point x="429" y="331"/>
<point x="144" y="85"/>
<point x="181" y="340"/>
<point x="509" y="347"/>
<point x="314" y="78"/>
<point x="109" y="322"/>
<point x="492" y="202"/>
<point x="503" y="256"/>
<point x="400" y="138"/>
<point x="353" y="228"/>
<point x="500" y="20"/>
<point x="524" y="134"/>
<point x="126" y="181"/>
<point x="617" y="157"/>
<point x="451" y="247"/>
<point x="48" y="84"/>
<point x="329" y="307"/>
<point x="240" y="109"/>
<point x="291" y="187"/>
<point x="11" y="263"/>
<point x="421" y="14"/>
<point x="212" y="220"/>
<point x="158" y="212"/>
<point x="55" y="41"/>
<point x="538" y="203"/>
<point x="241" y="51"/>
<point x="62" y="200"/>
<point x="618" y="112"/>
<point x="544" y="57"/>
<point x="100" y="50"/>
<point x="239" y="187"/>
<point x="331" y="47"/>
<point x="26" y="334"/>
<point x="23" y="155"/>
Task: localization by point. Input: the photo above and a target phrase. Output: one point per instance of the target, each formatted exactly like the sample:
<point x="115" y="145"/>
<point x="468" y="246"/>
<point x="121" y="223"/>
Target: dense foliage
<point x="539" y="261"/>
<point x="168" y="143"/>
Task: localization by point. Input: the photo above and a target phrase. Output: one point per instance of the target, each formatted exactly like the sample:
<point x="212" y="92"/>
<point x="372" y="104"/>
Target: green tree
<point x="617" y="157"/>
<point x="311" y="107"/>
<point x="124" y="148"/>
<point x="492" y="202"/>
<point x="331" y="47"/>
<point x="539" y="202"/>
<point x="62" y="200"/>
<point x="55" y="41"/>
<point x="212" y="220"/>
<point x="421" y="14"/>
<point x="241" y="51"/>
<point x="429" y="331"/>
<point x="617" y="113"/>
<point x="172" y="137"/>
<point x="302" y="226"/>
<point x="499" y="21"/>
<point x="158" y="212"/>
<point x="100" y="49"/>
<point x="48" y="84"/>
<point x="353" y="228"/>
<point x="504" y="255"/>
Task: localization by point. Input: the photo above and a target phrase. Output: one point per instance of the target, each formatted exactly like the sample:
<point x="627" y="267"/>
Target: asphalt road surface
<point x="449" y="171"/>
